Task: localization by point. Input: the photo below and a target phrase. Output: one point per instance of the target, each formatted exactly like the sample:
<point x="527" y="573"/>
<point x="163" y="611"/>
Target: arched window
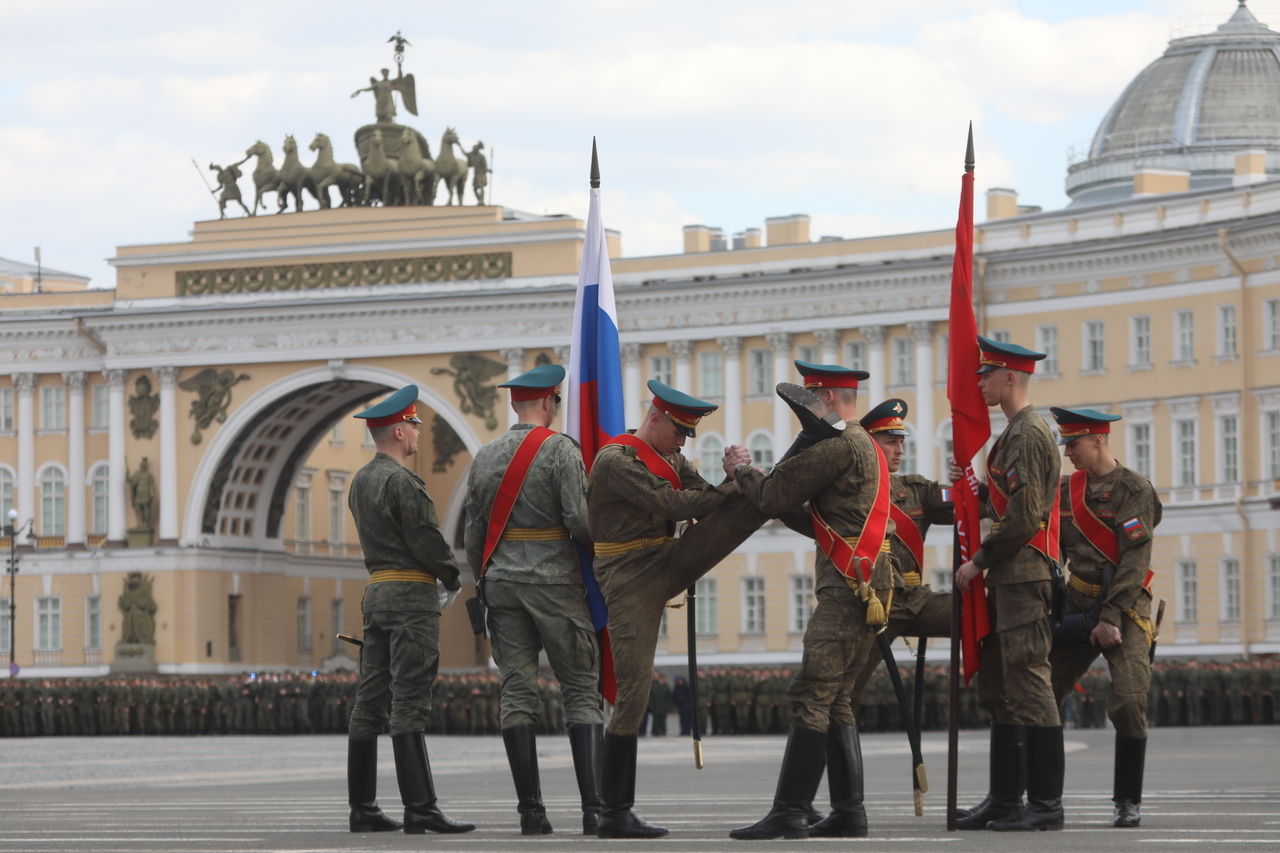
<point x="761" y="447"/>
<point x="101" y="489"/>
<point x="53" y="502"/>
<point x="6" y="494"/>
<point x="710" y="457"/>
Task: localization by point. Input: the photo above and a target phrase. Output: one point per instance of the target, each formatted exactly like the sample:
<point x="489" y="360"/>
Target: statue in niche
<point x="138" y="607"/>
<point x="470" y="372"/>
<point x="446" y="444"/>
<point x="143" y="406"/>
<point x="213" y="390"/>
<point x="142" y="496"/>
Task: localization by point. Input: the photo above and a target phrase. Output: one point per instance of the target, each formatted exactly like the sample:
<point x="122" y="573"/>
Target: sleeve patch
<point x="1134" y="529"/>
<point x="946" y="495"/>
<point x="1011" y="478"/>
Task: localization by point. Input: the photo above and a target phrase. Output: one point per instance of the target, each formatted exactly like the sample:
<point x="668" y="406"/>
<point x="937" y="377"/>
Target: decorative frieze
<point x="323" y="276"/>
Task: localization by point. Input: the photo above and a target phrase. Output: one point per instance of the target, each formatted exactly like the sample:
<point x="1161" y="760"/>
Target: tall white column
<point x="515" y="366"/>
<point x="562" y="358"/>
<point x="116" y="522"/>
<point x="732" y="347"/>
<point x="874" y="336"/>
<point x="168" y="455"/>
<point x="829" y="344"/>
<point x="926" y="453"/>
<point x="683" y="353"/>
<point x="25" y="499"/>
<point x="780" y="343"/>
<point x="631" y="385"/>
<point x="75" y="458"/>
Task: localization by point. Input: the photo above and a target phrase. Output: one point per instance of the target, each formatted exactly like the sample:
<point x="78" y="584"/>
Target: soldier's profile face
<point x="1083" y="452"/>
<point x="893" y="447"/>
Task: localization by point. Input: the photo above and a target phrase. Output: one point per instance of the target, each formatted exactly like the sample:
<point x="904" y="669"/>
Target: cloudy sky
<point x="724" y="113"/>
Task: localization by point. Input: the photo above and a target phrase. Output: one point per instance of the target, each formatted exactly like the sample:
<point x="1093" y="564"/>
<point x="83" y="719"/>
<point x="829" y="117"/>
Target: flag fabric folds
<point x="970" y="424"/>
<point x="594" y="412"/>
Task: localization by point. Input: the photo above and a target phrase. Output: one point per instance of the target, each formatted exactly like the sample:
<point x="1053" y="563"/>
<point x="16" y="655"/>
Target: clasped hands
<point x="735" y="455"/>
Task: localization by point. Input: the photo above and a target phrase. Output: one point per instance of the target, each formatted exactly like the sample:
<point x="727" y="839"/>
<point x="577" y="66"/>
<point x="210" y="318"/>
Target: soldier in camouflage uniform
<point x="1019" y="557"/>
<point x="1110" y="575"/>
<point x="410" y="566"/>
<point x="533" y="588"/>
<point x="633" y="513"/>
<point x="840" y="478"/>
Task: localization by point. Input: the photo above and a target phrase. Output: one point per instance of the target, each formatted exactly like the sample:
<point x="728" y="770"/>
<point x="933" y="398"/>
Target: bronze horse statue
<point x="326" y="173"/>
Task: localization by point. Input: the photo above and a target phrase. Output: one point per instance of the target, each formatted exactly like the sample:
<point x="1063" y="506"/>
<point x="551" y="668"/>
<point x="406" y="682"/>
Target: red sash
<point x="1098" y="534"/>
<point x="1044" y="540"/>
<point x="657" y="466"/>
<point x="509" y="489"/>
<point x="904" y="527"/>
<point x="856" y="561"/>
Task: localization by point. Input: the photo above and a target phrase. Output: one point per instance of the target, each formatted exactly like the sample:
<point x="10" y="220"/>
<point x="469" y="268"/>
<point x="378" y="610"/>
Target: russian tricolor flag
<point x="595" y="406"/>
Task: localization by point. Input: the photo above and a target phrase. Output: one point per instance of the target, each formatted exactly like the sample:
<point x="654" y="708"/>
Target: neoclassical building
<point x="231" y="363"/>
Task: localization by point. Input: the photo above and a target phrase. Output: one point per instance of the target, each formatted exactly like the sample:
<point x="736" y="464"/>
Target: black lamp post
<point x="12" y="532"/>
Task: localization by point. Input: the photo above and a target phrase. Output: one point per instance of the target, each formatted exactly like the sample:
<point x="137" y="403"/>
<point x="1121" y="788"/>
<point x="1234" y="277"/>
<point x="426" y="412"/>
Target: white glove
<point x="447" y="596"/>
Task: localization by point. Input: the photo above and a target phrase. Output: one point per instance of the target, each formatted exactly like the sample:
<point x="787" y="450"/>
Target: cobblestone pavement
<point x="1208" y="789"/>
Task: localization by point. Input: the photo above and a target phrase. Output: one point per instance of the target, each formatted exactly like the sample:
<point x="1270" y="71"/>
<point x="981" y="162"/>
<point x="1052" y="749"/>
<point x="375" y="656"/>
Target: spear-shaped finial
<point x="968" y="151"/>
<point x="595" y="166"/>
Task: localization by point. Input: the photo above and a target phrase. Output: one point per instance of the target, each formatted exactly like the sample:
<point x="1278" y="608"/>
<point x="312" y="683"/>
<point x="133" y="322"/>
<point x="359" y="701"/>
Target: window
<point x="336" y="646"/>
<point x="944" y="357"/>
<point x="1047" y="343"/>
<point x="53" y="503"/>
<point x="704" y="608"/>
<point x="101" y="491"/>
<point x="4" y="625"/>
<point x="1187" y="591"/>
<point x="1272" y="435"/>
<point x="1271" y="325"/>
<point x="99" y="407"/>
<point x="908" y="464"/>
<point x="1140" y="341"/>
<point x="48" y="624"/>
<point x="93" y="622"/>
<point x="335" y="434"/>
<point x="6" y="494"/>
<point x="660" y="368"/>
<point x="904" y="367"/>
<point x="1140" y="441"/>
<point x="302" y="514"/>
<point x="1273" y="587"/>
<point x="711" y="458"/>
<point x="1230" y="589"/>
<point x="366" y="441"/>
<point x="304" y="625"/>
<point x="753" y="605"/>
<point x="1185" y="475"/>
<point x="855" y="355"/>
<point x="53" y="407"/>
<point x="711" y="373"/>
<point x="337" y="516"/>
<point x="809" y="353"/>
<point x="1184" y="338"/>
<point x="6" y="410"/>
<point x="1095" y="359"/>
<point x="1000" y="336"/>
<point x="1229" y="449"/>
<point x="943" y="579"/>
<point x="801" y="602"/>
<point x="1226" y="331"/>
<point x="761" y="447"/>
<point x="759" y="372"/>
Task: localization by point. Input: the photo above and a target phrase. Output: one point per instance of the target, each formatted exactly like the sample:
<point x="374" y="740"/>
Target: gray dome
<point x="1207" y="99"/>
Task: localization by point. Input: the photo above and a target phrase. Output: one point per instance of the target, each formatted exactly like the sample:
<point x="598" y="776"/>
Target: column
<point x="874" y="336"/>
<point x="562" y="354"/>
<point x="116" y="521"/>
<point x="168" y="455"/>
<point x="732" y="347"/>
<point x="683" y="353"/>
<point x="25" y="499"/>
<point x="631" y="385"/>
<point x="75" y="458"/>
<point x="829" y="344"/>
<point x="926" y="452"/>
<point x="515" y="366"/>
<point x="780" y="343"/>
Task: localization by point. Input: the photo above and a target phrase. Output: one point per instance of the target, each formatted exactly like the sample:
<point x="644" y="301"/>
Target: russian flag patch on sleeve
<point x="1134" y="529"/>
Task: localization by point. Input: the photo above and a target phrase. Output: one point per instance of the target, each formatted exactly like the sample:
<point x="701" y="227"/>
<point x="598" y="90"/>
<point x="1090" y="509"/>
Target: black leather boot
<point x="362" y="788"/>
<point x="1045" y="766"/>
<point x="522" y="755"/>
<point x="816" y="420"/>
<point x="417" y="790"/>
<point x="1007" y="779"/>
<point x="618" y="791"/>
<point x="848" y="818"/>
<point x="1131" y="757"/>
<point x="797" y="784"/>
<point x="585" y="741"/>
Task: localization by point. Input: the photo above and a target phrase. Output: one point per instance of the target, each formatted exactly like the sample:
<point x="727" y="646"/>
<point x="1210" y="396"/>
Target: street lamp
<point x="13" y="533"/>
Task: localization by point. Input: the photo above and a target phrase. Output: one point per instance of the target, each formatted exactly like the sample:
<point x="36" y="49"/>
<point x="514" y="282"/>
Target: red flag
<point x="970" y="422"/>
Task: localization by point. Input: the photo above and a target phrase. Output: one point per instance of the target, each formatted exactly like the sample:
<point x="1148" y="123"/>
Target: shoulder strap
<point x="856" y="561"/>
<point x="657" y="466"/>
<point x="1046" y="539"/>
<point x="905" y="529"/>
<point x="504" y="500"/>
<point x="1097" y="534"/>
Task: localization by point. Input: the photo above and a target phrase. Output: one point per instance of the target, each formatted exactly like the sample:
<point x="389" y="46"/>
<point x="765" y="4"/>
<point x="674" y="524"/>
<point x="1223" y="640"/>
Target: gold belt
<point x="411" y="575"/>
<point x="613" y="549"/>
<point x="911" y="579"/>
<point x="885" y="547"/>
<point x="1093" y="590"/>
<point x="534" y="534"/>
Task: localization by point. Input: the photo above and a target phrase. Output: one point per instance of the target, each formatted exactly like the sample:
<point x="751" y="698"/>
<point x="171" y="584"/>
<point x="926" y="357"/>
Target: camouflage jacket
<point x="838" y="476"/>
<point x="1126" y="502"/>
<point x="1025" y="465"/>
<point x="921" y="499"/>
<point x="554" y="494"/>
<point x="398" y="529"/>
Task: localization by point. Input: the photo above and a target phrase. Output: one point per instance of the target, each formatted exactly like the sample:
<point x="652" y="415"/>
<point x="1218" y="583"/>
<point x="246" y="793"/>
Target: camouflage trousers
<point x="398" y="665"/>
<point x="635" y="608"/>
<point x="1129" y="664"/>
<point x="525" y="618"/>
<point x="837" y="641"/>
<point x="1014" y="684"/>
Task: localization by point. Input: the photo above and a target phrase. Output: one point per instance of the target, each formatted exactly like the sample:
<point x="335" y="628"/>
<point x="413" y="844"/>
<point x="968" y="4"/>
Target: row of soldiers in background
<point x="733" y="700"/>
